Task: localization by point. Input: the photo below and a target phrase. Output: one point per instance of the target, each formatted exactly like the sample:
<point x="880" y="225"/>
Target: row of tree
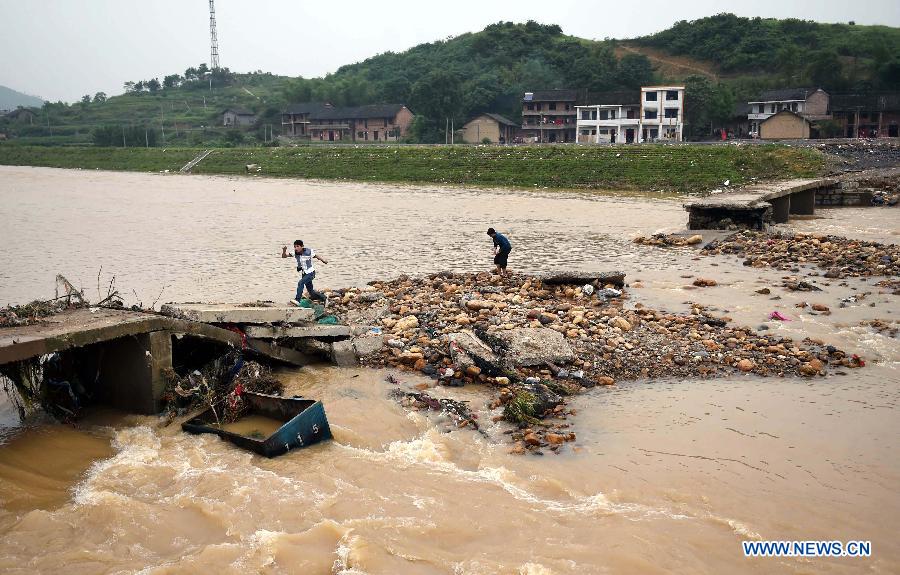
<point x="201" y="76"/>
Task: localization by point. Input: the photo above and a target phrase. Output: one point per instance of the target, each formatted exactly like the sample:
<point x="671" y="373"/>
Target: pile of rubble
<point x="840" y="257"/>
<point x="537" y="340"/>
<point x="669" y="240"/>
<point x="862" y="154"/>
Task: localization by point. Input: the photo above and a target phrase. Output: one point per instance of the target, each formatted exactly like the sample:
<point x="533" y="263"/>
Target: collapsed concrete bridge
<point x="126" y="354"/>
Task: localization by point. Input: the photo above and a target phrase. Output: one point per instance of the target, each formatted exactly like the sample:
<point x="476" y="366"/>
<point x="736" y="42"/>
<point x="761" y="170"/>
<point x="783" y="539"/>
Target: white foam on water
<point x="424" y="451"/>
<point x="534" y="569"/>
<point x="344" y="551"/>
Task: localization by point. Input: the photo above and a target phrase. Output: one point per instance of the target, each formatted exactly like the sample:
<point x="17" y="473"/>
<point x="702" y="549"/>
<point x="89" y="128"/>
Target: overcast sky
<point x="63" y="49"/>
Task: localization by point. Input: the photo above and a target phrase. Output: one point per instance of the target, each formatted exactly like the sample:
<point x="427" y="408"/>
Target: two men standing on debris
<point x="305" y="257"/>
<point x="305" y="265"/>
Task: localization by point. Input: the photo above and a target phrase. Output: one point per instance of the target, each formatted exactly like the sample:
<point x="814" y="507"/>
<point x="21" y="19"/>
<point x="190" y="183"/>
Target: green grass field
<point x="680" y="168"/>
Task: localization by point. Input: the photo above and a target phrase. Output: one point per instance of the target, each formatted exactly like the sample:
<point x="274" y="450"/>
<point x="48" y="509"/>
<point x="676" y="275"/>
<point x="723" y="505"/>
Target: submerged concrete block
<point x="343" y="354"/>
<point x="282" y="332"/>
<point x="234" y="313"/>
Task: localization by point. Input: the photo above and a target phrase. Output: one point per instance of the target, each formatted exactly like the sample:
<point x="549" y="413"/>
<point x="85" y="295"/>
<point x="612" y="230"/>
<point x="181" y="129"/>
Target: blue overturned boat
<point x="303" y="423"/>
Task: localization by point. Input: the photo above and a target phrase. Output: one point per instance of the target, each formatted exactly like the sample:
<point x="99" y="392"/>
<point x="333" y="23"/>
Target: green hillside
<point x="837" y="57"/>
<point x="722" y="60"/>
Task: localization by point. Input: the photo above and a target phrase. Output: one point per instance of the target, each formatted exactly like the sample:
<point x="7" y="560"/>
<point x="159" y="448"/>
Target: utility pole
<point x="123" y="137"/>
<point x="146" y="138"/>
<point x="446" y="129"/>
<point x="452" y="134"/>
<point x="162" y="124"/>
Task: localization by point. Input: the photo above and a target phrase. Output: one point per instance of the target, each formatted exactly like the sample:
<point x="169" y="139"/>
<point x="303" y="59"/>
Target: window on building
<point x="568" y="106"/>
<point x="671" y="94"/>
<point x="650" y="97"/>
<point x="649" y="114"/>
<point x="365" y="123"/>
<point x="594" y="132"/>
<point x="529" y="106"/>
<point x="762" y="109"/>
<point x="359" y="134"/>
<point x="612" y="114"/>
<point x="551" y="106"/>
<point x="794" y="107"/>
<point x="604" y="115"/>
<point x="585" y="114"/>
<point x="671" y="112"/>
<point x="585" y="132"/>
<point x="772" y="109"/>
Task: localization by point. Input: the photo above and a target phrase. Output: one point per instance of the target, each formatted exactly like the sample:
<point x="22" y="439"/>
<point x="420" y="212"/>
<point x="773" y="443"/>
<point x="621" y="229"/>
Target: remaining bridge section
<point x="757" y="205"/>
<point x="125" y="354"/>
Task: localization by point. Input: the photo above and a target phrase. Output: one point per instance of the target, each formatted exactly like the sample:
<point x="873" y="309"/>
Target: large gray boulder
<point x="527" y="346"/>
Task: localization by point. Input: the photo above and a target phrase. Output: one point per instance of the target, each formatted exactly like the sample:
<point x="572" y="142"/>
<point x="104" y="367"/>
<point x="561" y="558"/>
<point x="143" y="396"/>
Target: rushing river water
<point x="666" y="476"/>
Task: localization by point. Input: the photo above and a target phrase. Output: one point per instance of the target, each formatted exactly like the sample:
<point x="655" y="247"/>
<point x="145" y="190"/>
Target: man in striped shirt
<point x="305" y="265"/>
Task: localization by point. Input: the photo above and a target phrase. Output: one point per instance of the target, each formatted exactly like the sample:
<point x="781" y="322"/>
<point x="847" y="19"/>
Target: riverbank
<point x="680" y="168"/>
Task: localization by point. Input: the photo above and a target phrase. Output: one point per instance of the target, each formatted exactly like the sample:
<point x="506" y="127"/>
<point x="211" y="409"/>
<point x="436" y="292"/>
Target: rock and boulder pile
<point x="535" y="343"/>
<point x="840" y="257"/>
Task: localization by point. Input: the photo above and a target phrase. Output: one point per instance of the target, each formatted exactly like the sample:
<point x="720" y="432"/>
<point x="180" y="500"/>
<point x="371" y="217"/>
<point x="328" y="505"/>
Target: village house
<point x="655" y="113"/>
<point x="612" y="117"/>
<point x="372" y="123"/>
<point x="238" y="117"/>
<point x="809" y="103"/>
<point x="662" y="113"/>
<point x="549" y="116"/>
<point x="21" y="116"/>
<point x="784" y="125"/>
<point x="867" y="116"/>
<point x="296" y="118"/>
<point x="493" y="128"/>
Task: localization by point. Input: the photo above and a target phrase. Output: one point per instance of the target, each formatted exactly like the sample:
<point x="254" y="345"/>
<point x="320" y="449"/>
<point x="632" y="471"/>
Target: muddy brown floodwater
<point x="665" y="476"/>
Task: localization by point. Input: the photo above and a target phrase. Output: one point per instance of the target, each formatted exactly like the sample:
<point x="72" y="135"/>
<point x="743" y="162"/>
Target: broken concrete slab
<point x="616" y="278"/>
<point x="296" y="331"/>
<point x="237" y="313"/>
<point x="367" y="344"/>
<point x="343" y="354"/>
<point x="526" y="346"/>
<point x="278" y="352"/>
<point x="467" y="349"/>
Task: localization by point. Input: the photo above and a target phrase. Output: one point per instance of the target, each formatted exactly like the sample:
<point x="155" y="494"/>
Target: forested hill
<point x="482" y="71"/>
<point x="722" y="60"/>
<point x="837" y="57"/>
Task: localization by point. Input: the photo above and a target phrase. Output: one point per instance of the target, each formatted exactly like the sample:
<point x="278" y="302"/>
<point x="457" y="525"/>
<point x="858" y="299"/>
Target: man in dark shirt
<point x="502" y="247"/>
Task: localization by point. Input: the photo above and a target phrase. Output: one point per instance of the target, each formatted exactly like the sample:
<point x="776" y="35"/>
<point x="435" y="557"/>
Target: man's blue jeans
<point x="307" y="281"/>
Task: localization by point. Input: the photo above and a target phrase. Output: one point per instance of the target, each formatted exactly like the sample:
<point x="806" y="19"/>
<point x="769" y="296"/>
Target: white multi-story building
<point x="662" y="113"/>
<point x="656" y="113"/>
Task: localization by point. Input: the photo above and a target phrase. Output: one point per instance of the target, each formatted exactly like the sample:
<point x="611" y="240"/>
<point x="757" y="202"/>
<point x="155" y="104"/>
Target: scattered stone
<point x="702" y="282"/>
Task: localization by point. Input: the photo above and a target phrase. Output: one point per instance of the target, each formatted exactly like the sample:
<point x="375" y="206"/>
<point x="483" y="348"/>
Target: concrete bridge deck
<point x="755" y="205"/>
<point x="132" y="350"/>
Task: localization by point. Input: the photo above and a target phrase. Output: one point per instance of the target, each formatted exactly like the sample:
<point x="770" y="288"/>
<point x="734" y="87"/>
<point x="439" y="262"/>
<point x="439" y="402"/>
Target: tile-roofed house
<point x="495" y="128"/>
<point x="370" y="123"/>
<point x="867" y="115"/>
<point x="295" y="119"/>
<point x="549" y="115"/>
<point x="811" y="103"/>
<point x="238" y="117"/>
